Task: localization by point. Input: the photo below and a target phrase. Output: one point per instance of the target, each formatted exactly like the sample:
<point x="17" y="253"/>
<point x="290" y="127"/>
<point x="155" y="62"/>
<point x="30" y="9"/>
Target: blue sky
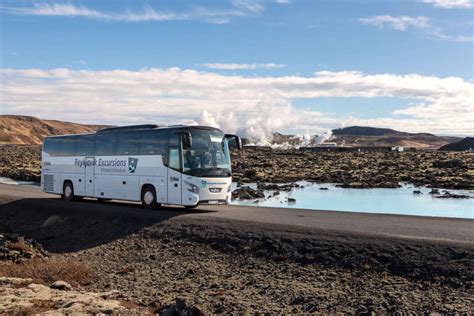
<point x="248" y="39"/>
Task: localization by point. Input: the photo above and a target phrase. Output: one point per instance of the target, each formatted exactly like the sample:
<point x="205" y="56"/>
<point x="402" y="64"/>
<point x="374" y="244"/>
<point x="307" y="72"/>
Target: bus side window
<point x="51" y="146"/>
<point x="154" y="143"/>
<point x="174" y="158"/>
<point x="105" y="144"/>
<point x="67" y="146"/>
<point x="128" y="143"/>
<point x="85" y="145"/>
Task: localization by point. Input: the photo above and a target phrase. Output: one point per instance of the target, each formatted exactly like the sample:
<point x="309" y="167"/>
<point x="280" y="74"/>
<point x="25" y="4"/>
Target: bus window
<point x="67" y="146"/>
<point x="105" y="144"/>
<point x="174" y="158"/>
<point x="85" y="145"/>
<point x="51" y="146"/>
<point x="153" y="143"/>
<point x="173" y="139"/>
<point x="128" y="143"/>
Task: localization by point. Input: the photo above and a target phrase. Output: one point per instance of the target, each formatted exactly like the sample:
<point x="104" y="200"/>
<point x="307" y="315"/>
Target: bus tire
<point x="149" y="198"/>
<point x="68" y="191"/>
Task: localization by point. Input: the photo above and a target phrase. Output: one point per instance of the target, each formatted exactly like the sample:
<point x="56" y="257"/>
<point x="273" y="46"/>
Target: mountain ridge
<point x="464" y="144"/>
<point x="365" y="136"/>
<point x="30" y="130"/>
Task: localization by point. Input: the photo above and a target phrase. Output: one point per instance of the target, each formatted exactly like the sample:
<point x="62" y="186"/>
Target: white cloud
<point x="451" y="4"/>
<point x="252" y="106"/>
<point x="400" y="23"/>
<point x="148" y="14"/>
<point x="453" y="38"/>
<point x="243" y="66"/>
<point x="250" y="5"/>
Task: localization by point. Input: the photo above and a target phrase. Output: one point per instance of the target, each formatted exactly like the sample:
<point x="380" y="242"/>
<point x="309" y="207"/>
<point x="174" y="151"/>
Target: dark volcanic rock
<point x="357" y="169"/>
<point x="21" y="162"/>
<point x="180" y="308"/>
<point x="449" y="195"/>
<point x="16" y="248"/>
<point x="453" y="163"/>
<point x="247" y="193"/>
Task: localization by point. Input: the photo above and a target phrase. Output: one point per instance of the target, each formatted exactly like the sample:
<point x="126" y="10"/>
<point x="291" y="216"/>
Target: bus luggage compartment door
<point x="174" y="176"/>
<point x="89" y="177"/>
<point x="174" y="187"/>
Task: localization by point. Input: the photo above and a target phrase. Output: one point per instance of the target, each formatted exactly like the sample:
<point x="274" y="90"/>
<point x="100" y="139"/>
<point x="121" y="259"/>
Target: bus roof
<point x="142" y="127"/>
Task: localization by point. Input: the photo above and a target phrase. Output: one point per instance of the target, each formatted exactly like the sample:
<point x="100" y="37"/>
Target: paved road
<point x="411" y="227"/>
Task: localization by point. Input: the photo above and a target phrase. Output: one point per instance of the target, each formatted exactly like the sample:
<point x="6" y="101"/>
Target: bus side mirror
<point x="237" y="139"/>
<point x="239" y="143"/>
<point x="187" y="140"/>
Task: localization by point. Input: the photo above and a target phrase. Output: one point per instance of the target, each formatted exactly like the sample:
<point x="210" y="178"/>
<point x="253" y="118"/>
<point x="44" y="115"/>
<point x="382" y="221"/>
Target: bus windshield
<point x="208" y="155"/>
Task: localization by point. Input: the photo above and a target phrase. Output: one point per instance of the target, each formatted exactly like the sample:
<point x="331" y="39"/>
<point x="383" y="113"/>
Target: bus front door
<point x="89" y="177"/>
<point x="174" y="176"/>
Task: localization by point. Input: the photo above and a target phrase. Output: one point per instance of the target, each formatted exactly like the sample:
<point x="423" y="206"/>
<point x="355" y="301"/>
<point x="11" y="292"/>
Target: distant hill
<point x="464" y="144"/>
<point x="366" y="131"/>
<point x="18" y="129"/>
<point x="372" y="136"/>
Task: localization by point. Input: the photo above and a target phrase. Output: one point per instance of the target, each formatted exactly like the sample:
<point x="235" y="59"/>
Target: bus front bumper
<point x="193" y="199"/>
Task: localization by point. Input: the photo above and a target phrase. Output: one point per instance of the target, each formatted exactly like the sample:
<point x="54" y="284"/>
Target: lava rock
<point x="61" y="285"/>
<point x="453" y="163"/>
<point x="180" y="308"/>
<point x="247" y="193"/>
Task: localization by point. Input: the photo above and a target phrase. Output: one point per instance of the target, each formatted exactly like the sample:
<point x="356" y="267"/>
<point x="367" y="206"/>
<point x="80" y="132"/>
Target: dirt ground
<point x="223" y="266"/>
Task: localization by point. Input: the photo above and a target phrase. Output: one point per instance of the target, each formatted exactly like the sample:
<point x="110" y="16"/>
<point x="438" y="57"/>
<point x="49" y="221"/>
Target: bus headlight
<point x="192" y="187"/>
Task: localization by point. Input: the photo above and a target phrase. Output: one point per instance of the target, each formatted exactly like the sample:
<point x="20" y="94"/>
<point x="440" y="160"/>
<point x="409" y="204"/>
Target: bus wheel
<point x="68" y="191"/>
<point x="149" y="198"/>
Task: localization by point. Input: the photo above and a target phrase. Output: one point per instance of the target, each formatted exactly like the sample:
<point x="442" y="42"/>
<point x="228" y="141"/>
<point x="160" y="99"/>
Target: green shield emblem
<point x="132" y="164"/>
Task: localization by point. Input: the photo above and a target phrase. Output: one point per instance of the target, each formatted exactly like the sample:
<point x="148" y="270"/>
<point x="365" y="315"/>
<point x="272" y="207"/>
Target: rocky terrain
<point x="21" y="296"/>
<point x="439" y="169"/>
<point x="15" y="248"/>
<point x="31" y="282"/>
<point x="450" y="170"/>
<point x="21" y="162"/>
<point x="191" y="266"/>
<point x="18" y="129"/>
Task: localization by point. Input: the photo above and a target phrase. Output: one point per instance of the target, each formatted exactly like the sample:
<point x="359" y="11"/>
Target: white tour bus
<point x="181" y="165"/>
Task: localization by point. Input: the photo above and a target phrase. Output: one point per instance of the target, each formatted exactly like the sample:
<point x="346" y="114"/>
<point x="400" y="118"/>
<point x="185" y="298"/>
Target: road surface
<point x="29" y="202"/>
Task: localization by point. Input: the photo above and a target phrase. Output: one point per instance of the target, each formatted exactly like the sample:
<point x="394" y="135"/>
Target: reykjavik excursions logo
<point x="132" y="163"/>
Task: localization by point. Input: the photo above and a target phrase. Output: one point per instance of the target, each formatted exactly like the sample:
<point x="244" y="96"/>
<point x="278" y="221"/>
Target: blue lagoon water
<point x="388" y="201"/>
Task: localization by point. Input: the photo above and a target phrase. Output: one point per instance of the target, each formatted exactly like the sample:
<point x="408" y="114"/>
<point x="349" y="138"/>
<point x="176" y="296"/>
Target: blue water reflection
<point x="388" y="201"/>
